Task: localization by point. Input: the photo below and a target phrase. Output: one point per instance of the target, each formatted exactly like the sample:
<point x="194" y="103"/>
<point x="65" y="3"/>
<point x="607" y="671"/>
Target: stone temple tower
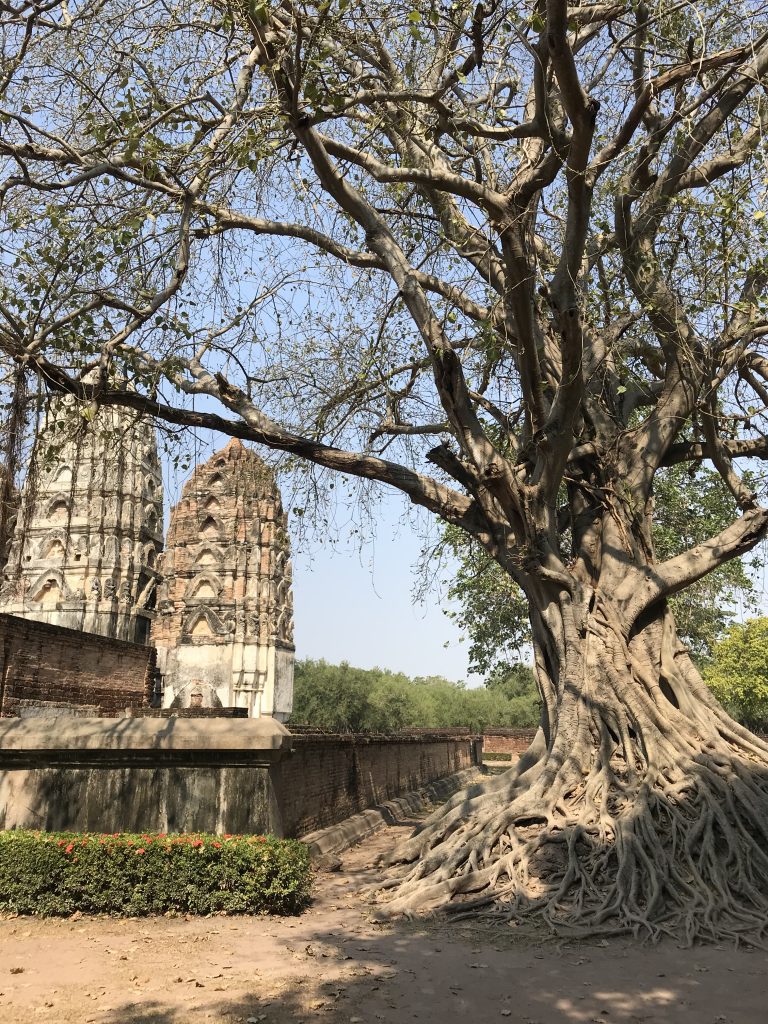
<point x="224" y="620"/>
<point x="89" y="529"/>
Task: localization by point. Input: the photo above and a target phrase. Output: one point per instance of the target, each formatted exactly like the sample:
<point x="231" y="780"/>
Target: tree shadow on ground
<point x="336" y="964"/>
<point x="435" y="971"/>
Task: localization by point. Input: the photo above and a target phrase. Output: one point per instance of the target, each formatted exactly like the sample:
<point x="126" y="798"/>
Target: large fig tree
<point x="508" y="258"/>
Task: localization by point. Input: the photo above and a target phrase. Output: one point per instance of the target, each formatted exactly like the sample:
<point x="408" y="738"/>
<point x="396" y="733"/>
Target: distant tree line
<point x="737" y="673"/>
<point x="342" y="698"/>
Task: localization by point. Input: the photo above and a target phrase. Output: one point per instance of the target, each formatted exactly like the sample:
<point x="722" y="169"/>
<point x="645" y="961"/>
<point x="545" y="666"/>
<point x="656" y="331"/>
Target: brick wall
<point x="329" y="777"/>
<point x="507" y="741"/>
<point x="43" y="666"/>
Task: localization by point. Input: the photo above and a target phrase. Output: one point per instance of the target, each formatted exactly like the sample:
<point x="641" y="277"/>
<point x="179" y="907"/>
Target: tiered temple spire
<point x="224" y="620"/>
<point x="89" y="529"/>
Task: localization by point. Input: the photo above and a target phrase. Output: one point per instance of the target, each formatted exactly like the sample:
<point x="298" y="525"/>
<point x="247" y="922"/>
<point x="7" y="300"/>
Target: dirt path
<point x="333" y="964"/>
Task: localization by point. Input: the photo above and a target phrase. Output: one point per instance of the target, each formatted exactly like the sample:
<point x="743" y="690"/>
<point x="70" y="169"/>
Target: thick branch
<point x="254" y="425"/>
<point x="645" y="586"/>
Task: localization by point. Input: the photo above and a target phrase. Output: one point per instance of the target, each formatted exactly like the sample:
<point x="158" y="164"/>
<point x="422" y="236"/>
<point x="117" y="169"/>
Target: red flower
<point x="70" y="848"/>
<point x="61" y="842"/>
<point x="198" y="842"/>
<point x="140" y="850"/>
<point x="217" y="845"/>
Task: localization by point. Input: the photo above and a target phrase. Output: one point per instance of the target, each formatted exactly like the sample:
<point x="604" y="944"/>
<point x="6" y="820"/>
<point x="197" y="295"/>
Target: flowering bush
<point x="50" y="873"/>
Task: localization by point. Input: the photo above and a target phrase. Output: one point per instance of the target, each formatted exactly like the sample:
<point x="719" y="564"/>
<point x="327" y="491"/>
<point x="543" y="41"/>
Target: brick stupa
<point x="224" y="618"/>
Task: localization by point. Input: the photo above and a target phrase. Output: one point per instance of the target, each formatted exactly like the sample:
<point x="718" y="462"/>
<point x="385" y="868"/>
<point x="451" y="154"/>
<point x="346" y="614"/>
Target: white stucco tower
<point x="89" y="529"/>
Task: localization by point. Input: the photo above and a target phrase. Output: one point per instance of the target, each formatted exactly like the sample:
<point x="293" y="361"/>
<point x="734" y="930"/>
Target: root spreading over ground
<point x="646" y="813"/>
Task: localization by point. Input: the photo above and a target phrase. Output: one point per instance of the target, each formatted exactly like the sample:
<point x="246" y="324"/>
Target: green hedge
<point x="50" y="873"/>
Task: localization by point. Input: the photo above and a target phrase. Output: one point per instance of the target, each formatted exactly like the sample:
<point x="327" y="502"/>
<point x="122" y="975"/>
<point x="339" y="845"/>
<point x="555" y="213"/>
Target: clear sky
<point x="355" y="602"/>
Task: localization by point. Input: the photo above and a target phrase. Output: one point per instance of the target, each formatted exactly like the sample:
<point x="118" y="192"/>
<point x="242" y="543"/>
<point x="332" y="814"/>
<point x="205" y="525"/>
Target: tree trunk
<point x="640" y="806"/>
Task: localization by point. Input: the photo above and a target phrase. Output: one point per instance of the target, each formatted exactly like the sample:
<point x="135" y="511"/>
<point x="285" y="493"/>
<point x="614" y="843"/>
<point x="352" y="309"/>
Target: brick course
<point x="328" y="777"/>
<point x="507" y="741"/>
<point x="46" y="665"/>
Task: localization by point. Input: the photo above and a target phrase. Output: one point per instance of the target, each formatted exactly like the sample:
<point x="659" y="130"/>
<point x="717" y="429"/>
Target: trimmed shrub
<point x="58" y="873"/>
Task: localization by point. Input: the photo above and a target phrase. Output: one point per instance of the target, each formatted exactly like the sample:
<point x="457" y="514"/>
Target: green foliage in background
<point x="689" y="508"/>
<point x="738" y="672"/>
<point x="492" y="612"/>
<point x="54" y="873"/>
<point x="346" y="699"/>
<point x="690" y="505"/>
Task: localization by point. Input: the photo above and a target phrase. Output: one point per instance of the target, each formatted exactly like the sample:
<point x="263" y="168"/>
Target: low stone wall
<point x="330" y="777"/>
<point x="192" y="712"/>
<point x="507" y="741"/>
<point x="54" y="669"/>
<point x="141" y="775"/>
<point x="206" y="775"/>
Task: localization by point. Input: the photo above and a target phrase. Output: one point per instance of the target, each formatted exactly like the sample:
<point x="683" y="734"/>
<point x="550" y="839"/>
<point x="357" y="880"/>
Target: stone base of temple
<point x="142" y="775"/>
<point x="208" y="774"/>
<point x="213" y="676"/>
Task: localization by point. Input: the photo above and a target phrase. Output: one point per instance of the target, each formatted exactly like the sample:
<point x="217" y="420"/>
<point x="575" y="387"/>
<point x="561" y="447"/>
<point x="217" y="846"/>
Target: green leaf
<point x="537" y="22"/>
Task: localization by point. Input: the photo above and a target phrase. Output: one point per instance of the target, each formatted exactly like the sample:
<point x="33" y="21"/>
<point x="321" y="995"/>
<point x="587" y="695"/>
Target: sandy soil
<point x="334" y="964"/>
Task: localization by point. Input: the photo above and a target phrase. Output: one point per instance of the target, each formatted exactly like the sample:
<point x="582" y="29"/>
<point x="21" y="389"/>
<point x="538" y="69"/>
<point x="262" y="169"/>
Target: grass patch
<point x="58" y="873"/>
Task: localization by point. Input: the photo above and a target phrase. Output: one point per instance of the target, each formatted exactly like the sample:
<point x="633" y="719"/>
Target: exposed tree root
<point x="646" y="813"/>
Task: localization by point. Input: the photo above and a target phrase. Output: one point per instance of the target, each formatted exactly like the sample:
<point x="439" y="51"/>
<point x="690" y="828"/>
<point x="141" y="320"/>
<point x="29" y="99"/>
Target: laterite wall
<point x="327" y="778"/>
<point x="45" y="667"/>
<point x="507" y="741"/>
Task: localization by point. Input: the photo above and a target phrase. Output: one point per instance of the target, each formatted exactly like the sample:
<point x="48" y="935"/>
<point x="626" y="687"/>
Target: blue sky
<point x="355" y="602"/>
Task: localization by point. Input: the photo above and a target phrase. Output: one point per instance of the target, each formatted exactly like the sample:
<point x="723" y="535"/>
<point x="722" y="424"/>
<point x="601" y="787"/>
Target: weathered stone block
<point x="142" y="775"/>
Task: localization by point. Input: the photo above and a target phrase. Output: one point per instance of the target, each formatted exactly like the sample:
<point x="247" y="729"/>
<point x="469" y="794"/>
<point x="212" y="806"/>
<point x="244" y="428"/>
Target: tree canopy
<point x="347" y="699"/>
<point x="509" y="259"/>
<point x="738" y="672"/>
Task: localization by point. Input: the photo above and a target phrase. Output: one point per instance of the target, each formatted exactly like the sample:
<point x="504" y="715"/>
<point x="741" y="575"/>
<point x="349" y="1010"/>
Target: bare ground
<point x="334" y="964"/>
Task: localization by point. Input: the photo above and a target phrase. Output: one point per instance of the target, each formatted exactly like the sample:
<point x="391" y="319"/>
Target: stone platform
<point x="141" y="774"/>
<point x="204" y="774"/>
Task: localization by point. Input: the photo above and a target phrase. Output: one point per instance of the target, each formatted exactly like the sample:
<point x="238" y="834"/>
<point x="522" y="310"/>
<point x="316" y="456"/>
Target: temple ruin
<point x="89" y="528"/>
<point x="223" y="627"/>
<point x="86" y="554"/>
<point x="147" y="690"/>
